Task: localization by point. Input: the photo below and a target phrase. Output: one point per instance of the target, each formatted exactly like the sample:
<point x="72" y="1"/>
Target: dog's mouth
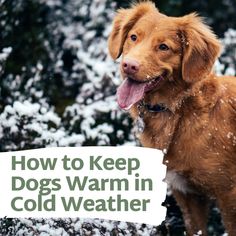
<point x="131" y="91"/>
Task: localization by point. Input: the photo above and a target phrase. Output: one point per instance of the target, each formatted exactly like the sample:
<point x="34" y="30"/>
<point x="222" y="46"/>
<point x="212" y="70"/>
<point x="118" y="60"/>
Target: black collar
<point x="156" y="108"/>
<point x="142" y="106"/>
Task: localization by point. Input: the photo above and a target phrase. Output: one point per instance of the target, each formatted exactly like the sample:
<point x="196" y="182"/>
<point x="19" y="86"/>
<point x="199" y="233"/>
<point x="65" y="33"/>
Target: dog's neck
<point x="170" y="96"/>
<point x="173" y="94"/>
<point x="199" y="97"/>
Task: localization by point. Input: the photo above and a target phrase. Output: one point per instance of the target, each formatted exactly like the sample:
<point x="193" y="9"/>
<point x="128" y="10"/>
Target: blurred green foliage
<point x="23" y="28"/>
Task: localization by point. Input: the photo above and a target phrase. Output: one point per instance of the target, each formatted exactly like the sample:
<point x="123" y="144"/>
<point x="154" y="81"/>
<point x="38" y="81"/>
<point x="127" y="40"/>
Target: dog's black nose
<point x="130" y="66"/>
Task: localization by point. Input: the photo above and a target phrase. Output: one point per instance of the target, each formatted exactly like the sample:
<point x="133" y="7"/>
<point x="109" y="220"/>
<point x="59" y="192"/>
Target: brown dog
<point x="168" y="82"/>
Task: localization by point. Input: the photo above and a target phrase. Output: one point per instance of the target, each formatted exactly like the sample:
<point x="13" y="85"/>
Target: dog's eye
<point x="163" y="47"/>
<point x="133" y="37"/>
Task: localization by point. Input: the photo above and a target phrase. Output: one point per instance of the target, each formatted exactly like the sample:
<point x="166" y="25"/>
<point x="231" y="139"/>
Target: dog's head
<point x="157" y="49"/>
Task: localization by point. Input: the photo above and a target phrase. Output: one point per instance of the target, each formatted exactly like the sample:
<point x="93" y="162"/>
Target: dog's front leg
<point x="227" y="203"/>
<point x="195" y="209"/>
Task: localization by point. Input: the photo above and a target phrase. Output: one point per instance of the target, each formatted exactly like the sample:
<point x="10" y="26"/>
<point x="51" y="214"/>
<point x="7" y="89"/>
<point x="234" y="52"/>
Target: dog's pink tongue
<point x="130" y="92"/>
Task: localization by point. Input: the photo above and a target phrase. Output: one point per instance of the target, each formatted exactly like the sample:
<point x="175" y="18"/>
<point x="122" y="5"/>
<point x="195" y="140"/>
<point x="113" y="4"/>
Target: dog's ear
<point x="200" y="48"/>
<point x="123" y="23"/>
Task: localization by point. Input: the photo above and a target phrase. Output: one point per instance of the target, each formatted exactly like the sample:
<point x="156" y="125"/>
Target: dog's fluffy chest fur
<point x="199" y="142"/>
<point x="178" y="182"/>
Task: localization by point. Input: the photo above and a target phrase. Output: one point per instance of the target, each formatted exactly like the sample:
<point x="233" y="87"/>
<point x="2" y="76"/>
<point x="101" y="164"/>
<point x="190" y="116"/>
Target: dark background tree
<point x="220" y="14"/>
